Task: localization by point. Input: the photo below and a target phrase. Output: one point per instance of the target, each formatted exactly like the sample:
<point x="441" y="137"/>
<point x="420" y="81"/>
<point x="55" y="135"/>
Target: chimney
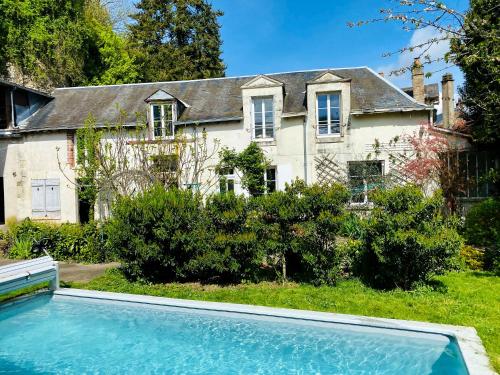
<point x="381" y="74"/>
<point x="448" y="101"/>
<point x="417" y="78"/>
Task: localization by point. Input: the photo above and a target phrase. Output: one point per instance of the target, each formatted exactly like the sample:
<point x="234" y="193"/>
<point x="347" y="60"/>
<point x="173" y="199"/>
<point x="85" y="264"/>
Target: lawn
<point x="466" y="298"/>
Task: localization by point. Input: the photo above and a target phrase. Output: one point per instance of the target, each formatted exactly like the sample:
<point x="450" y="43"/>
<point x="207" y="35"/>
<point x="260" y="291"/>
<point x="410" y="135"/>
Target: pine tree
<point x="176" y="39"/>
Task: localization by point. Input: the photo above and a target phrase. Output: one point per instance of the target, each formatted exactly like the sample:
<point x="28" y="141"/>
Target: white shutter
<point x="52" y="198"/>
<point x="38" y="198"/>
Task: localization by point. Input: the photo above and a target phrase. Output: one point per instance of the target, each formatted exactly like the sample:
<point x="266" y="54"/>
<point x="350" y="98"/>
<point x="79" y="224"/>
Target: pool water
<point x="67" y="335"/>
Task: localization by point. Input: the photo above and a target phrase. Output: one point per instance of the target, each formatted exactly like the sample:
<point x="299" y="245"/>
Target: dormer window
<point x="328" y="113"/>
<point x="263" y="117"/>
<point x="162" y="115"/>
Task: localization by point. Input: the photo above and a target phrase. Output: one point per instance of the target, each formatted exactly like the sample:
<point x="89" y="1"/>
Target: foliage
<point x="407" y="239"/>
<point x="82" y="243"/>
<point x="464" y="298"/>
<point x="251" y="162"/>
<point x="157" y="233"/>
<point x="53" y="43"/>
<point x="472" y="257"/>
<point x="477" y="53"/>
<point x="482" y="228"/>
<point x="176" y="40"/>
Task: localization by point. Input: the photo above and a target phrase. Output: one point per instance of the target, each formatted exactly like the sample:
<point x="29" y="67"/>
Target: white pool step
<point x="29" y="272"/>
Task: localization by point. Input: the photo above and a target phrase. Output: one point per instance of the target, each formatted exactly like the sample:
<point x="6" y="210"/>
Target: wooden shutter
<point x="38" y="198"/>
<point x="52" y="198"/>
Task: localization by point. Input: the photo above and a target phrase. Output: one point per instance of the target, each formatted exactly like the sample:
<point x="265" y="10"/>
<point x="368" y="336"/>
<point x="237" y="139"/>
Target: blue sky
<point x="267" y="36"/>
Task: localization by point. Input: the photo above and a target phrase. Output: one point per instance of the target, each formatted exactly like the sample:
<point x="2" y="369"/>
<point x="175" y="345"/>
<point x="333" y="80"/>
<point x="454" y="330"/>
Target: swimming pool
<point x="74" y="333"/>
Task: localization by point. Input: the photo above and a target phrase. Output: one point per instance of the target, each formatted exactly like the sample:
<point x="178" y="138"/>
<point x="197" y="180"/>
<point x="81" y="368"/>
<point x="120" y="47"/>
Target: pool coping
<point x="471" y="347"/>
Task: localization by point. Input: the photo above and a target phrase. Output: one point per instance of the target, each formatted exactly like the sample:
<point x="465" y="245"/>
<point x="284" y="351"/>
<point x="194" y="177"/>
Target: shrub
<point x="472" y="257"/>
<point x="157" y="233"/>
<point x="21" y="249"/>
<point x="63" y="242"/>
<point x="482" y="228"/>
<point x="407" y="239"/>
<point x="233" y="254"/>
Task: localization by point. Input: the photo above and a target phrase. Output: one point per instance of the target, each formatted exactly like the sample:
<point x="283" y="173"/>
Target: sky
<point x="271" y="36"/>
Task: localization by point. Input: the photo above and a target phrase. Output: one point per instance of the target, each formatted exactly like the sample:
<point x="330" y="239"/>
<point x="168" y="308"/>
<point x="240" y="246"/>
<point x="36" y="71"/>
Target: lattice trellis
<point x="328" y="170"/>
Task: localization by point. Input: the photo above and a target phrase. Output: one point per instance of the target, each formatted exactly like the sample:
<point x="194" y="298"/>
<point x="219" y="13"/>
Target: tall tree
<point x="176" y="39"/>
<point x="477" y="53"/>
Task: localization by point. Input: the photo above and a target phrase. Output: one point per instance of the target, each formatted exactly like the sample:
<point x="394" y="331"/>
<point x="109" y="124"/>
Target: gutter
<point x="390" y="110"/>
<point x="304" y="126"/>
<point x="208" y="121"/>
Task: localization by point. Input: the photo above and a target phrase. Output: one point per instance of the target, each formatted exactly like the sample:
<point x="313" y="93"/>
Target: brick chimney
<point x="417" y="78"/>
<point x="448" y="101"/>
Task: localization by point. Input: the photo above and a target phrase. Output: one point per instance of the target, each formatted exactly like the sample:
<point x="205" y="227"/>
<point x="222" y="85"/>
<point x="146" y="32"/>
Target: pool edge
<point x="469" y="343"/>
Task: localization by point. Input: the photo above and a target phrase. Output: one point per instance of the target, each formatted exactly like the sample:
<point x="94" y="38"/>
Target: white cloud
<point x="405" y="59"/>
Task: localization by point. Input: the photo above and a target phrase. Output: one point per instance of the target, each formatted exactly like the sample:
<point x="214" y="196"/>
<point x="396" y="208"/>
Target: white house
<point x="304" y="121"/>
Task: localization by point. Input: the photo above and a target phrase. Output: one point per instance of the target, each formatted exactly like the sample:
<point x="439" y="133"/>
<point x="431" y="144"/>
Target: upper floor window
<point x="263" y="117"/>
<point x="328" y="114"/>
<point x="163" y="120"/>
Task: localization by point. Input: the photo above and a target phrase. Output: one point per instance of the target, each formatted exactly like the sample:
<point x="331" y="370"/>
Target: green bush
<point x="158" y="233"/>
<point x="81" y="243"/>
<point x="482" y="228"/>
<point x="407" y="239"/>
<point x="473" y="257"/>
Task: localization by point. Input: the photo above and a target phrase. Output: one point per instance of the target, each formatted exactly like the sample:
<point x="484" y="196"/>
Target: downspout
<point x="304" y="127"/>
<point x="12" y="108"/>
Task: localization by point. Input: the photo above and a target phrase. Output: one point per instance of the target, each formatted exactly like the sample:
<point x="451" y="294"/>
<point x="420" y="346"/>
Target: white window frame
<point x="329" y="123"/>
<point x="275" y="178"/>
<point x="263" y="111"/>
<point x="366" y="201"/>
<point x="43" y="186"/>
<point x="163" y="120"/>
<point x="228" y="177"/>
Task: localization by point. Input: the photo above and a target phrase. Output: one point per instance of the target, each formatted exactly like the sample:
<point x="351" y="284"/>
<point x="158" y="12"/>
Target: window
<point x="45" y="200"/>
<point x="163" y="117"/>
<point x="364" y="176"/>
<point x="226" y="182"/>
<point x="270" y="180"/>
<point x="263" y="117"/>
<point x="328" y="114"/>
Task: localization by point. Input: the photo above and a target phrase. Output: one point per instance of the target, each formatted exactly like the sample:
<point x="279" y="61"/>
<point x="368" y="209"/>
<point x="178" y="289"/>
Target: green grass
<point x="23" y="291"/>
<point x="467" y="299"/>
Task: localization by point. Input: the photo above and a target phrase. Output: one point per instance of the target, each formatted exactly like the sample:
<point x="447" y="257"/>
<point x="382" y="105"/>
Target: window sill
<point x="265" y="141"/>
<point x="329" y="138"/>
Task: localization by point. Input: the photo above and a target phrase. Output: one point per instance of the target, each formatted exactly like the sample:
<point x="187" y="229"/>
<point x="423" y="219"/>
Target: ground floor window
<point x="270" y="179"/>
<point x="226" y="182"/>
<point x="364" y="176"/>
<point x="45" y="198"/>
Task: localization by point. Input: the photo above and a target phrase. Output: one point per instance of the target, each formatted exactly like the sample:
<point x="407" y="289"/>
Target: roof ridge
<point x="210" y="79"/>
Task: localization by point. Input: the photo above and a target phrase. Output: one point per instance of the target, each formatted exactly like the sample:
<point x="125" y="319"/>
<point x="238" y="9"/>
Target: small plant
<point x="21" y="249"/>
<point x="472" y="257"/>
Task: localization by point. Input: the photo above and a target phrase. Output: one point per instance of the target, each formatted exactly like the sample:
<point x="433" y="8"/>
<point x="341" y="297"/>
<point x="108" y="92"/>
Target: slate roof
<point x="431" y="91"/>
<point x="209" y="100"/>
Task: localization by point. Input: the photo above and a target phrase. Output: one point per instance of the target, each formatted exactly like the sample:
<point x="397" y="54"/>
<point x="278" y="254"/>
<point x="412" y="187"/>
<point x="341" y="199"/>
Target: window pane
<point x="334" y="114"/>
<point x="271" y="174"/>
<point x="323" y="129"/>
<point x="269" y="131"/>
<point x="334" y="100"/>
<point x="169" y="128"/>
<point x="357" y="186"/>
<point x="268" y="104"/>
<point x="269" y="118"/>
<point x="271" y="186"/>
<point x="257" y="105"/>
<point x="258" y="132"/>
<point x="322" y="116"/>
<point x="156" y="113"/>
<point x="157" y="128"/>
<point x="222" y="186"/>
<point x="322" y="101"/>
<point x="167" y="111"/>
<point x="230" y="185"/>
<point x="335" y="128"/>
<point x="258" y="118"/>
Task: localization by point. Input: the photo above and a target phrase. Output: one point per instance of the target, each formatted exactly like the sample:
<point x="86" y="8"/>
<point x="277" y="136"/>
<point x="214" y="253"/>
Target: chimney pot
<point x="417" y="78"/>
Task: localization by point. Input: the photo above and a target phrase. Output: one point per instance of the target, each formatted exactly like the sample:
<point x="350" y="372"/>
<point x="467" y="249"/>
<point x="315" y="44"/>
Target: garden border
<point x="470" y="344"/>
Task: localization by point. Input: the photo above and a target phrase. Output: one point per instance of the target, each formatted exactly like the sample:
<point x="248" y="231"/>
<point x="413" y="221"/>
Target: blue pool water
<point x="65" y="335"/>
